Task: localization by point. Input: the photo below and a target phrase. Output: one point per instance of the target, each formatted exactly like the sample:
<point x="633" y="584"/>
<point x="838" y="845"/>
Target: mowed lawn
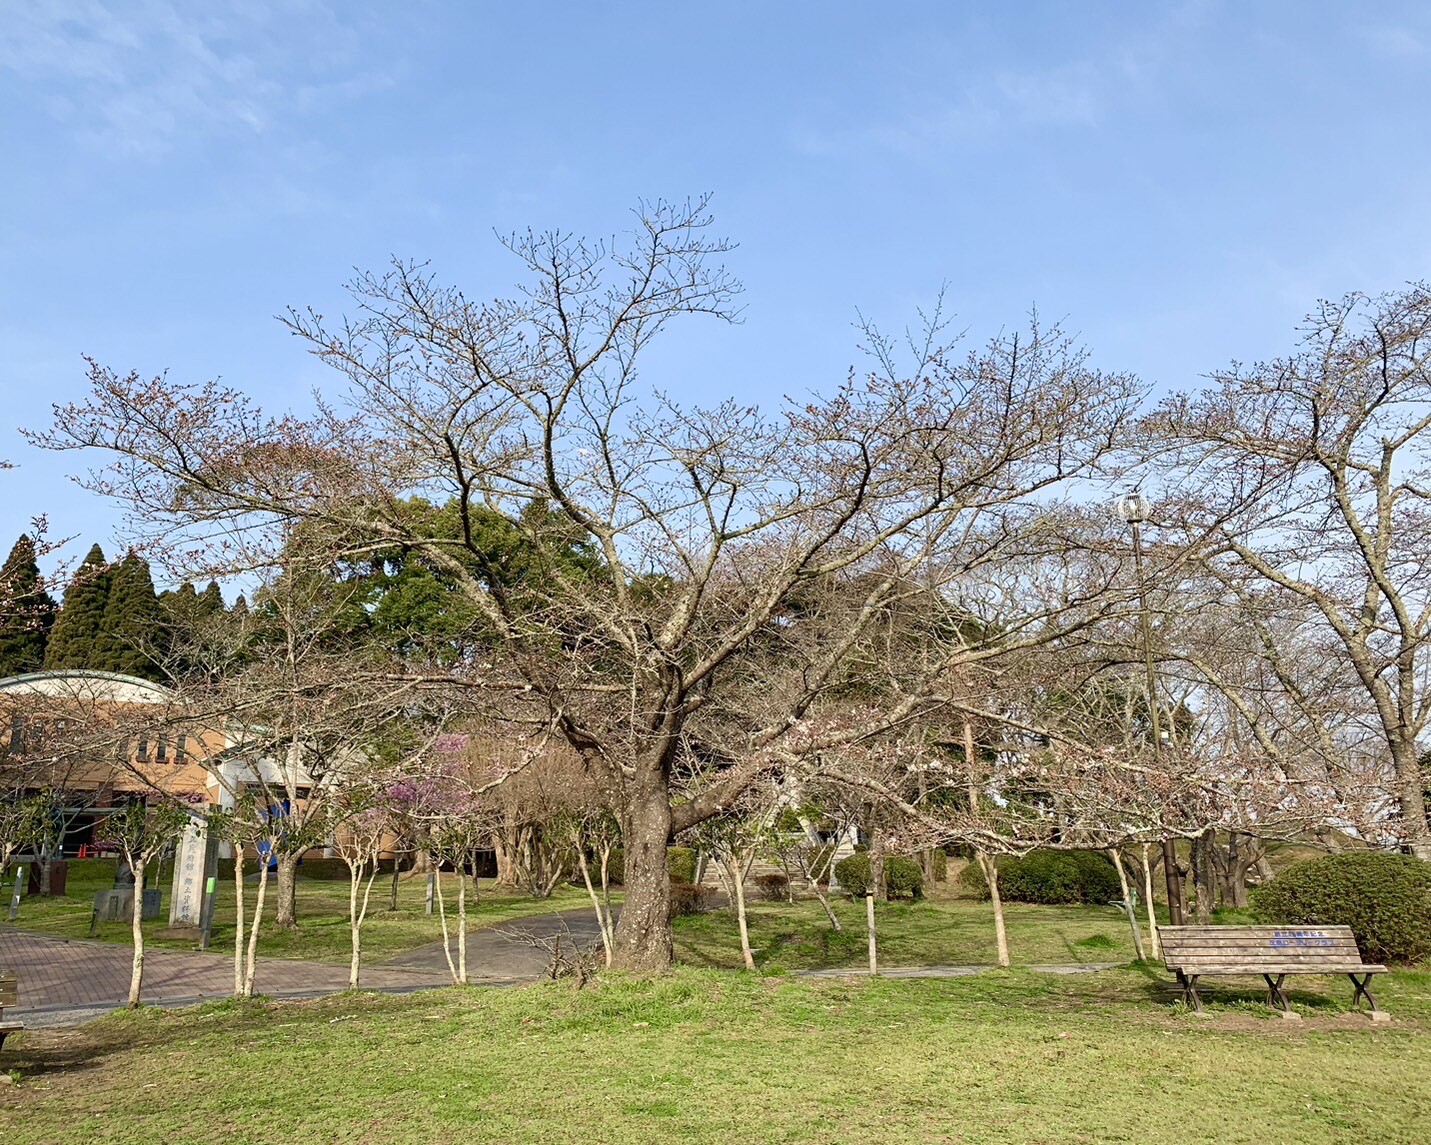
<point x="322" y="934"/>
<point x="721" y="1056"/>
<point x="943" y="930"/>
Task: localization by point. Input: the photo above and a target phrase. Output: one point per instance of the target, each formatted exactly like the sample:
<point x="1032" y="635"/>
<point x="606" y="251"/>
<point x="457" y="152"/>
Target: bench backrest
<point x="9" y="989"/>
<point x="1188" y="947"/>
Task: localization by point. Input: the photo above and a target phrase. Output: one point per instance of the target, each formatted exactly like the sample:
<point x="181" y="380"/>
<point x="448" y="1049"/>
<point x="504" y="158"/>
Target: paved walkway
<point x="79" y="978"/>
<point x="500" y="955"/>
<point x="68" y="980"/>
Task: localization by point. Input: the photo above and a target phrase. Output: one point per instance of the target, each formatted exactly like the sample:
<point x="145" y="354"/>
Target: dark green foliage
<point x="133" y="633"/>
<point x="211" y="600"/>
<point x="902" y="876"/>
<point x="79" y="626"/>
<point x="1385" y="899"/>
<point x="1053" y="878"/>
<point x="27" y="611"/>
<point x="939" y="866"/>
<point x="681" y="861"/>
<point x="615" y="867"/>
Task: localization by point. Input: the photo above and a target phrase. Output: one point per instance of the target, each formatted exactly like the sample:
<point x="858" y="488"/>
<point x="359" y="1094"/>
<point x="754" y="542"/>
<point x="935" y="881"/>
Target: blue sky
<point x="1179" y="182"/>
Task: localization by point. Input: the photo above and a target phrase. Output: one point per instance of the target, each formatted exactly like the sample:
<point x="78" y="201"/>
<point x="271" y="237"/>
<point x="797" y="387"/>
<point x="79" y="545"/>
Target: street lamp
<point x="1134" y="508"/>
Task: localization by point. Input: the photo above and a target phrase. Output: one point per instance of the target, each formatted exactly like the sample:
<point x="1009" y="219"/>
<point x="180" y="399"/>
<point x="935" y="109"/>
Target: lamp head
<point x="1133" y="507"/>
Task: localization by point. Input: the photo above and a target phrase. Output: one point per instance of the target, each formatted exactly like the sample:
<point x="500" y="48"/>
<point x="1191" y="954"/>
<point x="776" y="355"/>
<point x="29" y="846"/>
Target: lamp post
<point x="1133" y="508"/>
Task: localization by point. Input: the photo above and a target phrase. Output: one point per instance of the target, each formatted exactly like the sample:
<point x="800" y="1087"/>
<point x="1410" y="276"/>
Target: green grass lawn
<point x="928" y="932"/>
<point x="719" y="1056"/>
<point x="322" y="934"/>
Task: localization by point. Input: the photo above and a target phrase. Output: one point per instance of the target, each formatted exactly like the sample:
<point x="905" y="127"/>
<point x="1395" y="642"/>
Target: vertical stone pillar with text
<point x="186" y="903"/>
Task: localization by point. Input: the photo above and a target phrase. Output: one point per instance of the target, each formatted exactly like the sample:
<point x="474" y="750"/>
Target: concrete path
<point x="500" y="955"/>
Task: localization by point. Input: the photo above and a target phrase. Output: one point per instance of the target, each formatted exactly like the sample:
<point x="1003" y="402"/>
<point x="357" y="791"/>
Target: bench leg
<point x="1363" y="990"/>
<point x="1275" y="997"/>
<point x="1189" y="985"/>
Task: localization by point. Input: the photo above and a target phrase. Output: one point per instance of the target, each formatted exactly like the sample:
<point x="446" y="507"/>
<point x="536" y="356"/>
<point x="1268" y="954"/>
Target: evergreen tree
<point x="27" y="611"/>
<point x="211" y="600"/>
<point x="133" y="626"/>
<point x="79" y="626"/>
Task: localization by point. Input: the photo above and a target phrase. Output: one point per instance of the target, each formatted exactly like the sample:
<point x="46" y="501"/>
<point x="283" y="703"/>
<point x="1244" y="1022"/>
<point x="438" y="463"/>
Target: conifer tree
<point x="79" y="626"/>
<point x="211" y="600"/>
<point x="132" y="633"/>
<point x="27" y="611"/>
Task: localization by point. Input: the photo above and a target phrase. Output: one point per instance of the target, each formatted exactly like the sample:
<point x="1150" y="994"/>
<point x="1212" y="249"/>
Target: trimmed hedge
<point x="773" y="887"/>
<point x="1385" y="899"/>
<point x="681" y="863"/>
<point x="902" y="877"/>
<point x="688" y="899"/>
<point x="939" y="865"/>
<point x="1052" y="878"/>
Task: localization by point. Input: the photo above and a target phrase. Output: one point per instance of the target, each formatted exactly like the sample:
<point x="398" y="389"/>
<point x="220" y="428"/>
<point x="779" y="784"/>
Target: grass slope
<point x="713" y="1056"/>
<point x="931" y="932"/>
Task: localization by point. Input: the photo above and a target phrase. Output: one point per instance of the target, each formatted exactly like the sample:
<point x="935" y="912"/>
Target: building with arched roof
<point x="100" y="739"/>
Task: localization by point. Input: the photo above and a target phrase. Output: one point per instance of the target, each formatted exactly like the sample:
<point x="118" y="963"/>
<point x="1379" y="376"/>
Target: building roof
<point x="88" y="684"/>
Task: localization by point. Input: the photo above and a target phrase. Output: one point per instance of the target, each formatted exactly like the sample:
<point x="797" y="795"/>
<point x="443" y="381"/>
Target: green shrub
<point x="1053" y="878"/>
<point x="902" y="877"/>
<point x="939" y="866"/>
<point x="1385" y="899"/>
<point x="688" y="899"/>
<point x="681" y="862"/>
<point x="615" y="868"/>
<point x="773" y="887"/>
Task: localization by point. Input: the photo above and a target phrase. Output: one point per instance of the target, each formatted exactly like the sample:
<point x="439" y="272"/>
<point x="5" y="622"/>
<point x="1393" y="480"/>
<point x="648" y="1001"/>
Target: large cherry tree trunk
<point x="643" y="933"/>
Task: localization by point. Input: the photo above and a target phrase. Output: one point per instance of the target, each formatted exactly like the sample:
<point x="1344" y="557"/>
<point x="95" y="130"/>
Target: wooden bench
<point x="1271" y="951"/>
<point x="9" y="996"/>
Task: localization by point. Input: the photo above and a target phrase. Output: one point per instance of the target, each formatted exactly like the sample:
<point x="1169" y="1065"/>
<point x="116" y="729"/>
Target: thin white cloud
<point x="1002" y="101"/>
<point x="1395" y="42"/>
<point x="138" y="76"/>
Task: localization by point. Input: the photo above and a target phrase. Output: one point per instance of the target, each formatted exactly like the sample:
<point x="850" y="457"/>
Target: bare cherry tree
<point x="1307" y="474"/>
<point x="697" y="534"/>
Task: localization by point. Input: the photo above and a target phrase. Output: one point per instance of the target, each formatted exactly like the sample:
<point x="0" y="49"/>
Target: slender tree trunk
<point x="877" y="880"/>
<point x="601" y="919"/>
<point x="987" y="863"/>
<point x="1155" y="943"/>
<point x="643" y="934"/>
<point x="355" y="923"/>
<point x="462" y="920"/>
<point x="735" y="868"/>
<point x="1202" y="875"/>
<point x="251" y="962"/>
<point x="990" y="866"/>
<point x="136" y="918"/>
<point x="397" y="873"/>
<point x="238" y="921"/>
<point x="446" y="939"/>
<point x="870" y="929"/>
<point x="824" y="896"/>
<point x="1128" y="908"/>
<point x="287" y="916"/>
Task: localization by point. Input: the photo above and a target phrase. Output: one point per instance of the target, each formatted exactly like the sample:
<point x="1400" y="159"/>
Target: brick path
<point x="71" y="978"/>
<point x="60" y="973"/>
